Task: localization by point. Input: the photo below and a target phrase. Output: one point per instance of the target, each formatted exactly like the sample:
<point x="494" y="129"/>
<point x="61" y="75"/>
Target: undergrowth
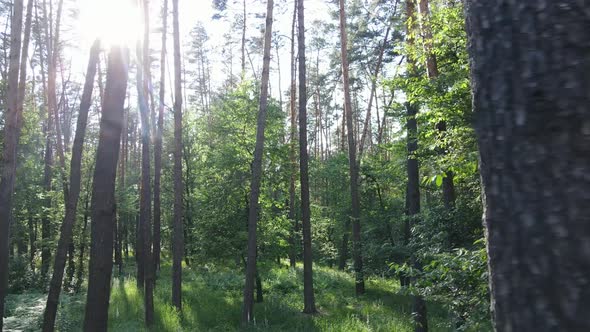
<point x="212" y="300"/>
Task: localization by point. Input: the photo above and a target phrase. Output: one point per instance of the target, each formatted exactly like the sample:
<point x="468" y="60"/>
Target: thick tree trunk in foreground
<point x="248" y="305"/>
<point x="530" y="67"/>
<point x="177" y="233"/>
<point x="9" y="149"/>
<point x="103" y="192"/>
<point x="353" y="165"/>
<point x="308" y="296"/>
<point x="72" y="203"/>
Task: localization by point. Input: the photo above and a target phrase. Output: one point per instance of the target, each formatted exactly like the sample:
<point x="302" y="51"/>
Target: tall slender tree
<point x="67" y="226"/>
<point x="412" y="167"/>
<point x="353" y="165"/>
<point x="177" y="235"/>
<point x="308" y="295"/>
<point x="158" y="145"/>
<point x="530" y="69"/>
<point x="145" y="200"/>
<point x="248" y="305"/>
<point x="292" y="146"/>
<point x="9" y="149"/>
<point x="103" y="191"/>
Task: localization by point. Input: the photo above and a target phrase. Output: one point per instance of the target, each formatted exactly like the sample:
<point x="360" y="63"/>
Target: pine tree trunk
<point x="103" y="192"/>
<point x="67" y="226"/>
<point x="145" y="205"/>
<point x="308" y="295"/>
<point x="294" y="239"/>
<point x="9" y="150"/>
<point x="530" y="72"/>
<point x="177" y="233"/>
<point x="353" y="165"/>
<point x="158" y="145"/>
<point x="248" y="305"/>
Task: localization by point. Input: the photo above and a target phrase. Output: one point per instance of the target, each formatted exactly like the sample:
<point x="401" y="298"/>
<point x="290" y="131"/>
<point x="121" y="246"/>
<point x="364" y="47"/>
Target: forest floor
<point x="212" y="300"/>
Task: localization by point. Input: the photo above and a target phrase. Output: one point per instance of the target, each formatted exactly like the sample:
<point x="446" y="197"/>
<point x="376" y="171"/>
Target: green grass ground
<point x="212" y="302"/>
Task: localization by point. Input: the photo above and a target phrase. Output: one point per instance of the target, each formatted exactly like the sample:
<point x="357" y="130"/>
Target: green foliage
<point x="212" y="297"/>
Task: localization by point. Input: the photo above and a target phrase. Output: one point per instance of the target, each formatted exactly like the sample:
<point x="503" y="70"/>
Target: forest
<point x="294" y="165"/>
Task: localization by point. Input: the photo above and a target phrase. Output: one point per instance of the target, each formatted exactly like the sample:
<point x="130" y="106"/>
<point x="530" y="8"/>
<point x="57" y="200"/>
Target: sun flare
<point x="114" y="22"/>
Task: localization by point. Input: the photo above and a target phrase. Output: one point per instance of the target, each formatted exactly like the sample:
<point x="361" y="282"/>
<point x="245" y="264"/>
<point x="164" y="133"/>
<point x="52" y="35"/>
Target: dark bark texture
<point x="177" y="233"/>
<point x="308" y="295"/>
<point x="103" y="192"/>
<point x="530" y="67"/>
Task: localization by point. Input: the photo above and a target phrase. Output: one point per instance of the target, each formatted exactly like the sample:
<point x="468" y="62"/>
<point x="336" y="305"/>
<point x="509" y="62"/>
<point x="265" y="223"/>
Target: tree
<point x="530" y="97"/>
<point x="145" y="202"/>
<point x="248" y="305"/>
<point x="158" y="148"/>
<point x="448" y="185"/>
<point x="177" y="233"/>
<point x="67" y="226"/>
<point x="308" y="296"/>
<point x="413" y="170"/>
<point x="292" y="150"/>
<point x="353" y="165"/>
<point x="103" y="192"/>
<point x="9" y="149"/>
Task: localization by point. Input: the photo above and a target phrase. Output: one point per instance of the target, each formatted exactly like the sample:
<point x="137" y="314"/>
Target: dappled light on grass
<point x="212" y="302"/>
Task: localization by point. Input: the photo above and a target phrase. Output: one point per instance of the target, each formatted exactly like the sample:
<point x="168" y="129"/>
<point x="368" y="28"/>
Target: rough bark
<point x="248" y="305"/>
<point x="353" y="165"/>
<point x="9" y="150"/>
<point x="308" y="295"/>
<point x="67" y="226"/>
<point x="177" y="233"/>
<point x="103" y="192"/>
<point x="530" y="72"/>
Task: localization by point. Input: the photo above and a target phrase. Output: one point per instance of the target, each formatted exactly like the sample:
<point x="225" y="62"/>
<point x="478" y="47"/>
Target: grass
<point x="212" y="297"/>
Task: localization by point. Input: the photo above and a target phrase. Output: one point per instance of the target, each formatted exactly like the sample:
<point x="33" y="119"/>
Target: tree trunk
<point x="80" y="271"/>
<point x="530" y="76"/>
<point x="353" y="165"/>
<point x="292" y="149"/>
<point x="367" y="125"/>
<point x="177" y="234"/>
<point x="413" y="188"/>
<point x="308" y="295"/>
<point x="67" y="226"/>
<point x="145" y="202"/>
<point x="103" y="192"/>
<point x="158" y="145"/>
<point x="9" y="150"/>
<point x="248" y="306"/>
